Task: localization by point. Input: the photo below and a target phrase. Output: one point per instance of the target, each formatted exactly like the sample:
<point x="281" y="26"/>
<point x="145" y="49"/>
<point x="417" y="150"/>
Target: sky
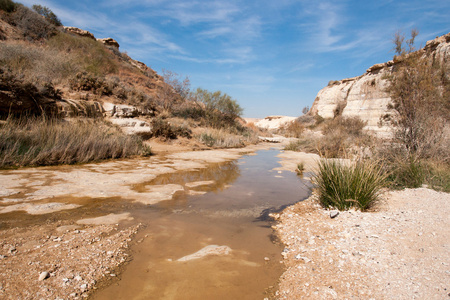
<point x="272" y="56"/>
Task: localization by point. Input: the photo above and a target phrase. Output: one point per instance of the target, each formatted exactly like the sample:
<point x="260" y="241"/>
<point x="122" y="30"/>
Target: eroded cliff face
<point x="365" y="96"/>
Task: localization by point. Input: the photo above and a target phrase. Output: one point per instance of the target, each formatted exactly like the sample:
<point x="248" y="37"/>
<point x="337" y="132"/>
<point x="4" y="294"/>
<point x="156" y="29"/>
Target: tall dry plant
<point x="419" y="110"/>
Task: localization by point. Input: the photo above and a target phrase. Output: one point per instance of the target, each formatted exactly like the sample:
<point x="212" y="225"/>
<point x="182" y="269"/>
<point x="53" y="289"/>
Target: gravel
<point x="399" y="251"/>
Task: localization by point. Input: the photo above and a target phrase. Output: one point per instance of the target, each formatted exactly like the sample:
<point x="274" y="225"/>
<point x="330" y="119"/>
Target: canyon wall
<point x="365" y="96"/>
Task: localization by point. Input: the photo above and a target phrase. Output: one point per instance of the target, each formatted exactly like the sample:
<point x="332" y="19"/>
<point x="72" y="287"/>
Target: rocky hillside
<point x="66" y="71"/>
<point x="365" y="96"/>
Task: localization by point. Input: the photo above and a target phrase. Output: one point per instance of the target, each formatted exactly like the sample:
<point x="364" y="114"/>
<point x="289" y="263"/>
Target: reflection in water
<point x="230" y="214"/>
<point x="222" y="174"/>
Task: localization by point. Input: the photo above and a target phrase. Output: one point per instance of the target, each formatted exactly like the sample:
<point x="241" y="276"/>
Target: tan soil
<point x="76" y="259"/>
<point x="400" y="251"/>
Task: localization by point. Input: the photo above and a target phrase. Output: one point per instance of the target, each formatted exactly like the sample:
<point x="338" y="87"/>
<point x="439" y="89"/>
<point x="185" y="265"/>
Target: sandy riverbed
<point x="400" y="251"/>
<point x="52" y="246"/>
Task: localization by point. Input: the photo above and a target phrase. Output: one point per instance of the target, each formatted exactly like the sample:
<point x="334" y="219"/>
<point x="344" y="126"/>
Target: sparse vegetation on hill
<point x="42" y="63"/>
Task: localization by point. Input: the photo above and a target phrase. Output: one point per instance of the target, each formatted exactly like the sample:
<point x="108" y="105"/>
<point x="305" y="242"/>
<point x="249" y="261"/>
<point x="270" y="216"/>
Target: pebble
<point x="44" y="275"/>
<point x="334" y="214"/>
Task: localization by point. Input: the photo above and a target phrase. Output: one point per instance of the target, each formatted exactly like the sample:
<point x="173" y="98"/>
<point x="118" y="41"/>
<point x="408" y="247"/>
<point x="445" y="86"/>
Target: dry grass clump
<point x="38" y="142"/>
<point x="342" y="186"/>
<point x="341" y="138"/>
<point x="292" y="129"/>
<point x="221" y="138"/>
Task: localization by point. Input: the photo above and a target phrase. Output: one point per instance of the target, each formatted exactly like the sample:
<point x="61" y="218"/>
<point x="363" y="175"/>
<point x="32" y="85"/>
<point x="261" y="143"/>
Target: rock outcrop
<point x="109" y="42"/>
<point x="365" y="96"/>
<point x="78" y="31"/>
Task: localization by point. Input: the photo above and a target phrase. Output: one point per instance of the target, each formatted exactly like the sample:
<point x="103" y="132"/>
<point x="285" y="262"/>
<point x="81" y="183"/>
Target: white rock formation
<point x="365" y="96"/>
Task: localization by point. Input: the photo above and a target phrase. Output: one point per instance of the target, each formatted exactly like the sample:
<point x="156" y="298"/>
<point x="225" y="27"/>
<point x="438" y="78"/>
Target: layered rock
<point x="109" y="42"/>
<point x="78" y="31"/>
<point x="365" y="96"/>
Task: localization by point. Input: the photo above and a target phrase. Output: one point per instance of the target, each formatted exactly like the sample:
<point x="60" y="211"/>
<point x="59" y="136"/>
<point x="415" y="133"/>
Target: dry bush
<point x="342" y="137"/>
<point x="37" y="142"/>
<point x="291" y="129"/>
<point x="221" y="138"/>
<point x="33" y="26"/>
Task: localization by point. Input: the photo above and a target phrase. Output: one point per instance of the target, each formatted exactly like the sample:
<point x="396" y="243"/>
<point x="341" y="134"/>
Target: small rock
<point x="44" y="275"/>
<point x="83" y="287"/>
<point x="266" y="258"/>
<point x="334" y="214"/>
<point x="78" y="278"/>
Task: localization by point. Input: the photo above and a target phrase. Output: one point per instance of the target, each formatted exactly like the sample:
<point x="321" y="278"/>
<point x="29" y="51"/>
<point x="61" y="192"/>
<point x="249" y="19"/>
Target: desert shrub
<point x="292" y="129"/>
<point x="7" y="5"/>
<point x="48" y="14"/>
<point x="342" y="137"/>
<point x="164" y="130"/>
<point x="357" y="184"/>
<point x="419" y="88"/>
<point x="84" y="81"/>
<point x="221" y="111"/>
<point x="219" y="138"/>
<point x="33" y="26"/>
<point x="37" y="142"/>
<point x="351" y="126"/>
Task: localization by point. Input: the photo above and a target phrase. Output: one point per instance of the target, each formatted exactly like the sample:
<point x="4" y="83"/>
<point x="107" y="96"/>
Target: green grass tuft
<point x="343" y="186"/>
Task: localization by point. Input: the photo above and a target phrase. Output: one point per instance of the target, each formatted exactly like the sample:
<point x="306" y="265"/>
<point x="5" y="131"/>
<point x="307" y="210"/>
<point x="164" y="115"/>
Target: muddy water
<point x="228" y="208"/>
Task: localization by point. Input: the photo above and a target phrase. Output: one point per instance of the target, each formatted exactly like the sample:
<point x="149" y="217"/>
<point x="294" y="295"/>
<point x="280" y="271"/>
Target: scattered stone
<point x="43" y="276"/>
<point x="334" y="214"/>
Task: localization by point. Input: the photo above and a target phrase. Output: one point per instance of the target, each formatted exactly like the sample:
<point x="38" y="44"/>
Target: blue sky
<point x="272" y="56"/>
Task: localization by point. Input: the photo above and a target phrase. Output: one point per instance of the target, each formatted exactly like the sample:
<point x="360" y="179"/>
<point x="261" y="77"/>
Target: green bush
<point x="34" y="27"/>
<point x="47" y="14"/>
<point x="7" y="5"/>
<point x="355" y="184"/>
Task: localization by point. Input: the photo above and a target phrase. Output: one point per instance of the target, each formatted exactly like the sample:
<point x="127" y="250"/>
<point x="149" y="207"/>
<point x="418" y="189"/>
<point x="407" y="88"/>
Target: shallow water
<point x="224" y="204"/>
<point x="231" y="213"/>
